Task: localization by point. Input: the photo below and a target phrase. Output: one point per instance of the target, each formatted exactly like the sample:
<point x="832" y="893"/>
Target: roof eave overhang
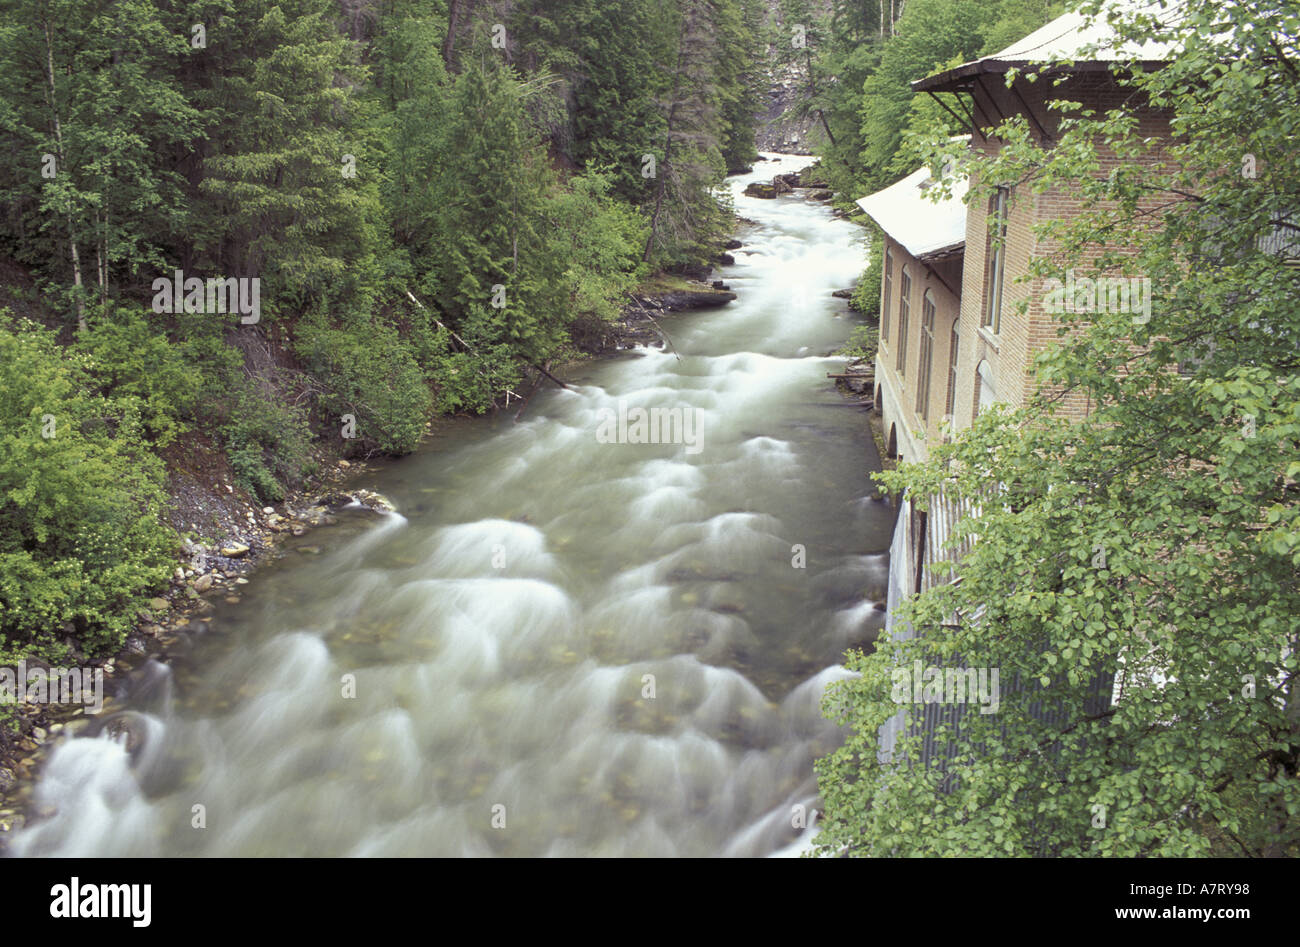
<point x="949" y="252"/>
<point x="963" y="77"/>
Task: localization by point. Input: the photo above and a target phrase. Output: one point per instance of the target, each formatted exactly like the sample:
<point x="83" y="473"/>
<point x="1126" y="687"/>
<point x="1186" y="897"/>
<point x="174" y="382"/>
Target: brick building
<point x="990" y="318"/>
<point x="968" y="308"/>
<point x="921" y="286"/>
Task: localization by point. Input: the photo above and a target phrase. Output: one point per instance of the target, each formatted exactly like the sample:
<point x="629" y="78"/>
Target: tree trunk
<point x="812" y="86"/>
<point x="58" y="155"/>
<point x="455" y="13"/>
<point x="662" y="172"/>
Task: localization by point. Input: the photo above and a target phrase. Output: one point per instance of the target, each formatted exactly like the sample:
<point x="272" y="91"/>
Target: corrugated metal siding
<point x="1283" y="242"/>
<point x="919" y="542"/>
<point x="939" y="522"/>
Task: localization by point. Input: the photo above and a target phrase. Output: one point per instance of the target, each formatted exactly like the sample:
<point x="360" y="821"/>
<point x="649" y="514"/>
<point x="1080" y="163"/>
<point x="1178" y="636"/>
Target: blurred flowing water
<point x="507" y="630"/>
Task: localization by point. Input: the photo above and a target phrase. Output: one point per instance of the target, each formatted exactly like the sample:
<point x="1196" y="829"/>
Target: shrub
<point x="370" y="372"/>
<point x="128" y="359"/>
<point x="866" y="295"/>
<point x="82" y="539"/>
<point x="267" y="441"/>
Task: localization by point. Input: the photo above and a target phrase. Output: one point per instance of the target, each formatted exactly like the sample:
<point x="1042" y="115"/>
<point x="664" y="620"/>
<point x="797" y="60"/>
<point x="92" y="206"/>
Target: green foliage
<point x="500" y="283"/>
<point x="266" y="440"/>
<point x="128" y="360"/>
<point x="1157" y="540"/>
<point x="469" y="382"/>
<point x="372" y="375"/>
<point x="81" y="541"/>
<point x="862" y="343"/>
<point x="866" y="295"/>
<point x="281" y="117"/>
<point x="92" y="86"/>
<point x="601" y="240"/>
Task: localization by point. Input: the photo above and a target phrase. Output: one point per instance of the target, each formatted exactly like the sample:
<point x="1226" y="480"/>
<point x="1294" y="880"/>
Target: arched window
<point x="888" y="282"/>
<point x="988" y="393"/>
<point x="927" y="351"/>
<point x="904" y="312"/>
<point x="952" y="369"/>
<point x="996" y="253"/>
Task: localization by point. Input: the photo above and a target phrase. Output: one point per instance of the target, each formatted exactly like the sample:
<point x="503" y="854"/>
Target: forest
<point x="430" y="200"/>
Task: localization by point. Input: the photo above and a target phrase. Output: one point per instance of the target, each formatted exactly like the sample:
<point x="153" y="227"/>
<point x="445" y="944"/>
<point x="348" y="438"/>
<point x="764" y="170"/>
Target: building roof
<point x="1067" y="38"/>
<point x="924" y="228"/>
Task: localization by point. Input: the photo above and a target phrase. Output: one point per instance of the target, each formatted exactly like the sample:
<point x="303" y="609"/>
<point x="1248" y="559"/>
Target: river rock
<point x="158" y="604"/>
<point x="703" y="298"/>
<point x="203" y="583"/>
<point x="314" y="516"/>
<point x="129" y="726"/>
<point x="784" y="183"/>
<point x="234" y="550"/>
<point x="759" y="189"/>
<point x="375" y="501"/>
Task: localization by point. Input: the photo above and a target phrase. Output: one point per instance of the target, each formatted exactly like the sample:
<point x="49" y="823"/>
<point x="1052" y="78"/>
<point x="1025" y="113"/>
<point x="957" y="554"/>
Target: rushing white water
<point x="564" y="646"/>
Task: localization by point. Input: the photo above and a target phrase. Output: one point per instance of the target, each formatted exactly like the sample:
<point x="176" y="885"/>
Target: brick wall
<point x="1009" y="353"/>
<point x="898" y="390"/>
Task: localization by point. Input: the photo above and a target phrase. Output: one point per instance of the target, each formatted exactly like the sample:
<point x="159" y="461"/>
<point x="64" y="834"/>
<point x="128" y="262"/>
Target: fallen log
<point x="548" y="375"/>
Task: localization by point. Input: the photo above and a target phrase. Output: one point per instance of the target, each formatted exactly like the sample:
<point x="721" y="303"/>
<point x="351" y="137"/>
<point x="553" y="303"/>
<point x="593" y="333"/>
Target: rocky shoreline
<point x="203" y="571"/>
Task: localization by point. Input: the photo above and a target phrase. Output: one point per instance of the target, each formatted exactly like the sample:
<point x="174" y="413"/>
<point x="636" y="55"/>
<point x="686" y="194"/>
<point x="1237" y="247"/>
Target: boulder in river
<point x="366" y="499"/>
<point x="702" y="298"/>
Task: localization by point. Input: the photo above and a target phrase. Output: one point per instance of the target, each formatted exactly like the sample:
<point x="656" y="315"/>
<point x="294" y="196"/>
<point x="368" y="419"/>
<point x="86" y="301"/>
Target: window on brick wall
<point x="904" y="312"/>
<point x="997" y="259"/>
<point x="927" y="351"/>
<point x="888" y="282"/>
<point x="988" y="392"/>
<point x="952" y="370"/>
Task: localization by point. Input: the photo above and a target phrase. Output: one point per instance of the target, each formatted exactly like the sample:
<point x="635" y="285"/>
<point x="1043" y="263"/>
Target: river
<point x="562" y="645"/>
